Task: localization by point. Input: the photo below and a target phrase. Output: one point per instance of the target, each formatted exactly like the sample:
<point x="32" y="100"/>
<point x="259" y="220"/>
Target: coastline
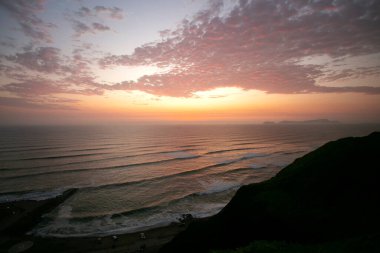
<point x="18" y="217"/>
<point x="309" y="203"/>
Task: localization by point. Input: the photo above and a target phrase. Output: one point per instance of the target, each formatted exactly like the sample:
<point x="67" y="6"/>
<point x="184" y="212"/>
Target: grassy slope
<point x="330" y="195"/>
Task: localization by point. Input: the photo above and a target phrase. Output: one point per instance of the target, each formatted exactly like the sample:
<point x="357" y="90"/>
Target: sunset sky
<point x="81" y="62"/>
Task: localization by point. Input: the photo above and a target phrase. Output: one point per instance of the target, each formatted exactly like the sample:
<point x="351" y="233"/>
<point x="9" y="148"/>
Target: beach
<point x="17" y="217"/>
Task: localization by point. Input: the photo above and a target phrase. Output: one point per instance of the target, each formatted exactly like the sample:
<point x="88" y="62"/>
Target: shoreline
<point x="19" y="217"/>
<point x="155" y="238"/>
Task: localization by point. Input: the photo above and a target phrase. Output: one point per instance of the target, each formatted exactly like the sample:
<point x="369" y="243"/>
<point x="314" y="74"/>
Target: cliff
<point x="328" y="196"/>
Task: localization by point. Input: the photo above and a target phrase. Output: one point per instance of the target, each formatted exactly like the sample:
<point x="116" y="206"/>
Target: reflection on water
<point x="138" y="176"/>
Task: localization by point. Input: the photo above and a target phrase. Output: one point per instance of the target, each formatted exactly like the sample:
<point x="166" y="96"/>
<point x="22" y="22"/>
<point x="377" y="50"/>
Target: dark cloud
<point x="112" y="12"/>
<point x="25" y="14"/>
<point x="258" y="45"/>
<point x="8" y="42"/>
<point x="84" y="12"/>
<point x="100" y="27"/>
<point x="81" y="28"/>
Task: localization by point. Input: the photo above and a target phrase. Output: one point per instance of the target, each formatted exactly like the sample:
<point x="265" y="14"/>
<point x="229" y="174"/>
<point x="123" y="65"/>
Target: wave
<point x="234" y="171"/>
<point x="42" y="194"/>
<point x="218" y="187"/>
<point x="199" y="204"/>
<point x="31" y="195"/>
<point x="291" y="152"/>
<point x="36" y="195"/>
<point x="184" y="173"/>
<point x="173" y="152"/>
<point x="37" y="148"/>
<point x="189" y="146"/>
<point x="61" y="156"/>
<point x="245" y="157"/>
<point x="8" y="150"/>
<point x="101" y="168"/>
<point x="228" y="150"/>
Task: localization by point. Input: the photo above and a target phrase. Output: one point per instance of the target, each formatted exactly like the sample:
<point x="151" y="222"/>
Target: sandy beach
<point x="17" y="218"/>
<point x="155" y="239"/>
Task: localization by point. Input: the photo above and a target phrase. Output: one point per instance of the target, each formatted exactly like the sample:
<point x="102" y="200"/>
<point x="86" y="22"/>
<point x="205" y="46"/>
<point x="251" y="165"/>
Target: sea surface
<point x="132" y="178"/>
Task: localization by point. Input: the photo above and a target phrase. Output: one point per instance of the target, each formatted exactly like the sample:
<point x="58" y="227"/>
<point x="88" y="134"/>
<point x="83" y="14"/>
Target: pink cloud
<point x="42" y="59"/>
<point x="256" y="46"/>
<point x="46" y="103"/>
<point x="33" y="88"/>
<point x="72" y="75"/>
<point x="38" y="87"/>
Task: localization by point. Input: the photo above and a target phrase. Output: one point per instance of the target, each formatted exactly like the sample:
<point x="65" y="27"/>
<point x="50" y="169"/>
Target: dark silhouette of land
<point x="326" y="201"/>
<point x="303" y="122"/>
<point x="16" y="218"/>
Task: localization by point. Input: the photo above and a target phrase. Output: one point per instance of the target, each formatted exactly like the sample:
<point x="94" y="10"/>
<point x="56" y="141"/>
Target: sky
<point x="116" y="61"/>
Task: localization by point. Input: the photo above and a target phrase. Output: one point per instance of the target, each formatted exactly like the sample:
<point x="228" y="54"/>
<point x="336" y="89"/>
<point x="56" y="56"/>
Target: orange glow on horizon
<point x="224" y="104"/>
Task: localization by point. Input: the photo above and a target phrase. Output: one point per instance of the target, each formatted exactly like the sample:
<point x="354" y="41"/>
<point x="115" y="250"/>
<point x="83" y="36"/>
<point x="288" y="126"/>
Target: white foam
<point x="257" y="166"/>
<point x="244" y="157"/>
<point x="134" y="222"/>
<point x="65" y="211"/>
<point x="219" y="186"/>
<point x="35" y="195"/>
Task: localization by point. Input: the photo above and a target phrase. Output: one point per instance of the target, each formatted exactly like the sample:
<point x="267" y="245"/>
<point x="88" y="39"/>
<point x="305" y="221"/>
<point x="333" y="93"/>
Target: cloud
<point x="81" y="28"/>
<point x="48" y="103"/>
<point x="84" y="12"/>
<point x="38" y="87"/>
<point x="42" y="59"/>
<point x="100" y="27"/>
<point x="44" y="71"/>
<point x="258" y="45"/>
<point x="25" y="14"/>
<point x="33" y="88"/>
<point x="112" y="12"/>
<point x="8" y="42"/>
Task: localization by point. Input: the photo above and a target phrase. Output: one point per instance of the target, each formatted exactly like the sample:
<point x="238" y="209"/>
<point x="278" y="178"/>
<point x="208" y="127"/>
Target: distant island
<point x="326" y="201"/>
<point x="302" y="122"/>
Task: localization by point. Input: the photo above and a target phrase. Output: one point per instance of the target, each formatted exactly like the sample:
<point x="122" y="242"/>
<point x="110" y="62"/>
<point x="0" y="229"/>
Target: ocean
<point x="131" y="178"/>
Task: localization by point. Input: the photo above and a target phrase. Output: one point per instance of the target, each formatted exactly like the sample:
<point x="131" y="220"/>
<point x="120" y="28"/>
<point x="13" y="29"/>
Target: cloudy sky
<point x="73" y="61"/>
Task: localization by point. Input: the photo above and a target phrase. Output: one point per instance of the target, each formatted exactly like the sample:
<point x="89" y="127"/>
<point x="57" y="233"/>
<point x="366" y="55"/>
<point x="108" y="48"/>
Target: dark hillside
<point x="331" y="194"/>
